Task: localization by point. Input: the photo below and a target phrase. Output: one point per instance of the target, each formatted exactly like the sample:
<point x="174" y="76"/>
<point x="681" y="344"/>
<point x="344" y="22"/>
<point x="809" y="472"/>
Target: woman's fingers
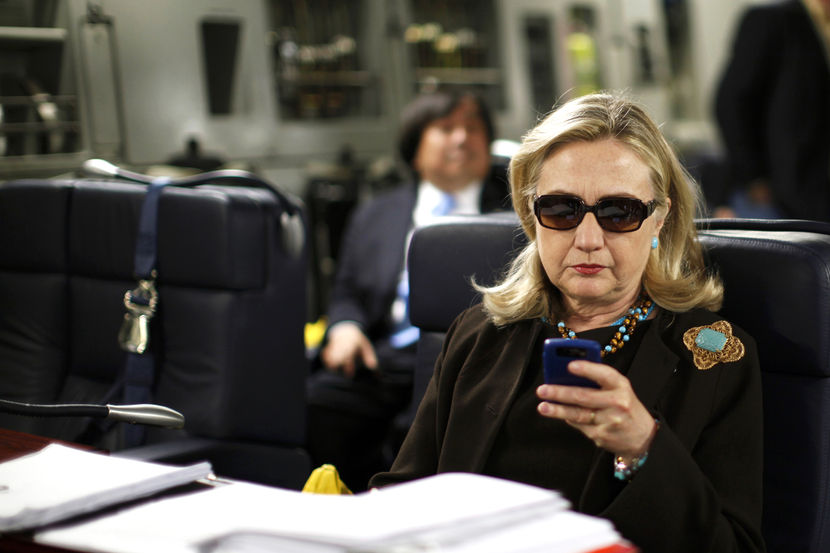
<point x="569" y="413"/>
<point x="604" y="375"/>
<point x="612" y="417"/>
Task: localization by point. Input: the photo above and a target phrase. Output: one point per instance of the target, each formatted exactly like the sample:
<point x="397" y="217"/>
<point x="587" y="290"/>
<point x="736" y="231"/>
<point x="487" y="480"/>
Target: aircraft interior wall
<point x="296" y="90"/>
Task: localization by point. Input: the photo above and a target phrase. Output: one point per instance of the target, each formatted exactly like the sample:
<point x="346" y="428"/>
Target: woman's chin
<point x="588" y="290"/>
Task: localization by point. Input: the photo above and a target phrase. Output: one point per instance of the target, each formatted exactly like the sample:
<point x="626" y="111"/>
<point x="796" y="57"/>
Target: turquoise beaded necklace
<point x="640" y="311"/>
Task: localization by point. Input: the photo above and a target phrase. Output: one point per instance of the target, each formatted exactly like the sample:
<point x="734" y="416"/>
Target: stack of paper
<point x="59" y="482"/>
<point x="454" y="512"/>
<point x="563" y="532"/>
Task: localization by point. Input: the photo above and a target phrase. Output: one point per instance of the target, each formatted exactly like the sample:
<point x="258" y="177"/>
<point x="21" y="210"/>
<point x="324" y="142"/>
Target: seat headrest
<point x="443" y="257"/>
<point x="777" y="288"/>
<point x="776" y="276"/>
<point x="208" y="237"/>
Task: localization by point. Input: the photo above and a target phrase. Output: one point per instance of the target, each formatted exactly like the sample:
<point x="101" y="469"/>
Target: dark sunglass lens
<point x="620" y="214"/>
<point x="559" y="212"/>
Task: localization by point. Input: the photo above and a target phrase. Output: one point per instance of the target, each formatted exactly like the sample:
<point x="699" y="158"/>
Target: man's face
<point x="454" y="150"/>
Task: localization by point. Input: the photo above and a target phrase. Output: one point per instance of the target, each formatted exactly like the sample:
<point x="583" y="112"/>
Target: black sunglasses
<point x="564" y="212"/>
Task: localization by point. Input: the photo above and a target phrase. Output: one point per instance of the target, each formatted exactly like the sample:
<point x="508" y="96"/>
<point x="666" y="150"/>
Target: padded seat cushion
<point x="228" y="334"/>
<point x="444" y="262"/>
<point x="211" y="237"/>
<point x="786" y="307"/>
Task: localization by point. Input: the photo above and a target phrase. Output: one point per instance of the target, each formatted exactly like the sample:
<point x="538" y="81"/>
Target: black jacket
<point x="373" y="249"/>
<point x="773" y="109"/>
<point x="699" y="490"/>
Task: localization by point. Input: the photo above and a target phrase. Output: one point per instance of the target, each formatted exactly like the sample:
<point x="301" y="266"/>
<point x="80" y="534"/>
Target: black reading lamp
<point x="143" y="413"/>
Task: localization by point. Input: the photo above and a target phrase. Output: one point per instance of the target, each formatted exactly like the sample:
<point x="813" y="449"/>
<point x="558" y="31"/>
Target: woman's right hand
<point x="346" y="346"/>
<point x="613" y="417"/>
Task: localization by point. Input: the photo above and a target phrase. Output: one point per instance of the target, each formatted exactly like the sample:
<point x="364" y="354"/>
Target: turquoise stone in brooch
<point x="710" y="340"/>
<point x="713" y="344"/>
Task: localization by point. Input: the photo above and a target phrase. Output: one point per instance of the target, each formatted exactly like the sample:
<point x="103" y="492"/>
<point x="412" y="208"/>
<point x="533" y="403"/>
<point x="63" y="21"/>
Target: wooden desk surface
<point x="14" y="444"/>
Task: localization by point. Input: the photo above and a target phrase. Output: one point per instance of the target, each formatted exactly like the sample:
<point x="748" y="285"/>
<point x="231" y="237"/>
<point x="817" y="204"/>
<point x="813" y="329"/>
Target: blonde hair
<point x="675" y="276"/>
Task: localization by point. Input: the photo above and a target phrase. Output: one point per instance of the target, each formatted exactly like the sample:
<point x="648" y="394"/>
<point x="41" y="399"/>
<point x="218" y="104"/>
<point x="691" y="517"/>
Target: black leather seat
<point x="227" y="338"/>
<point x="777" y="278"/>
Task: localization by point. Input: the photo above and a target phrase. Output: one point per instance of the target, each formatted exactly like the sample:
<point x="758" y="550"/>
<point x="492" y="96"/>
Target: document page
<point x="448" y="509"/>
<point x="58" y="482"/>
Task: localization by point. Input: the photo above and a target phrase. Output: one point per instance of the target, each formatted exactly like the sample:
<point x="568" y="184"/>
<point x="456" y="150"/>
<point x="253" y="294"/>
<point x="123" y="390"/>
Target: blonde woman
<point x="669" y="446"/>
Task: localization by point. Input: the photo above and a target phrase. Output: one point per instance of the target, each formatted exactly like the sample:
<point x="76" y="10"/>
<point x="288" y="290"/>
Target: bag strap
<point x="141" y="303"/>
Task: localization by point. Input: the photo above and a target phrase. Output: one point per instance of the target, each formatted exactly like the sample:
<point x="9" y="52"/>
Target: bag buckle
<point x="134" y="335"/>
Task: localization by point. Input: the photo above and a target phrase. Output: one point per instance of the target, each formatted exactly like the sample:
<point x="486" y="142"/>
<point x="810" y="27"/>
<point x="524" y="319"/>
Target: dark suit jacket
<point x="372" y="254"/>
<point x="773" y="109"/>
<point x="699" y="490"/>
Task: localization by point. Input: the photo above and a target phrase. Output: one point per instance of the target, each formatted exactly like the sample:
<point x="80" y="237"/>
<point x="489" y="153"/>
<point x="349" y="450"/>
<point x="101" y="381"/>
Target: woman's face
<point x="589" y="265"/>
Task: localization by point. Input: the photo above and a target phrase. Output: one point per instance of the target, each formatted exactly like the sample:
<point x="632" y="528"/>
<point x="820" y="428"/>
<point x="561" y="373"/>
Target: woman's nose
<point x="589" y="235"/>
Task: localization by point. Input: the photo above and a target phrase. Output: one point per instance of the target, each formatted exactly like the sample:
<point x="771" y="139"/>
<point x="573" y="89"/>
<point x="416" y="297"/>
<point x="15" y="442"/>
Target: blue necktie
<point x="406" y="334"/>
<point x="445" y="206"/>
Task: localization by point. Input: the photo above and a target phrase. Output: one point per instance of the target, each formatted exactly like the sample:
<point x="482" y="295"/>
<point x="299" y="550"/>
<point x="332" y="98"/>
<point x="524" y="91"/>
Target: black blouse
<point x="553" y="454"/>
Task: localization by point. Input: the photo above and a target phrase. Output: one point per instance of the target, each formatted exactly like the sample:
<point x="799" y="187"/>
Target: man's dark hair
<point x="425" y="109"/>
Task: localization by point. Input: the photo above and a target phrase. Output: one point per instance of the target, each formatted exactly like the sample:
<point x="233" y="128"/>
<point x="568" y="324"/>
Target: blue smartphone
<point x="559" y="352"/>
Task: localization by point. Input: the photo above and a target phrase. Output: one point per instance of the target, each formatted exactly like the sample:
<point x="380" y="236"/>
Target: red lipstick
<point x="587" y="269"/>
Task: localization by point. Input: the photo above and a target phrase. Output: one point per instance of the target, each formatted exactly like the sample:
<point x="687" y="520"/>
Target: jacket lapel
<point x="651" y="368"/>
<point x="486" y="402"/>
<point x="653" y="364"/>
<point x="389" y="261"/>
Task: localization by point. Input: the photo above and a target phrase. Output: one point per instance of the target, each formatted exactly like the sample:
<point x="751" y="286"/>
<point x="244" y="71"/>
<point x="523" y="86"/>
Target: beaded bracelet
<point x="624" y="471"/>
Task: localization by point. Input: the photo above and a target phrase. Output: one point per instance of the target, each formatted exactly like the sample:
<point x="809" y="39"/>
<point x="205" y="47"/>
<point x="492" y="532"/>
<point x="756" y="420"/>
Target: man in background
<point x="773" y="109"/>
<point x="368" y="356"/>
